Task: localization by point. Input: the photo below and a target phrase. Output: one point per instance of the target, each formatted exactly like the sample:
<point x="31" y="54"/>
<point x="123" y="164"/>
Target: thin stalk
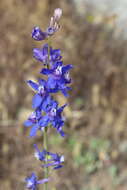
<point x="46" y="148"/>
<point x="46" y="171"/>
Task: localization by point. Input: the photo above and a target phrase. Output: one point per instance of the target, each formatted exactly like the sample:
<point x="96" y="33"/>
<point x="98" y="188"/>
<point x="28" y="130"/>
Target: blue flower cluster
<point x="46" y="110"/>
<point x="53" y="27"/>
<point x="52" y="159"/>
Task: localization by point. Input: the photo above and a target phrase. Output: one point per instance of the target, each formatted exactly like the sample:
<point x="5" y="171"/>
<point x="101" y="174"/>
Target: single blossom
<point x="34" y="121"/>
<point x="55" y="55"/>
<point x="40" y="155"/>
<point x="42" y="92"/>
<point x="52" y="159"/>
<point x="58" y="77"/>
<point x="56" y="161"/>
<point x="37" y="121"/>
<point x="32" y="181"/>
<point x="38" y="34"/>
<point x="47" y="55"/>
<point x="54" y="117"/>
<point x="41" y="54"/>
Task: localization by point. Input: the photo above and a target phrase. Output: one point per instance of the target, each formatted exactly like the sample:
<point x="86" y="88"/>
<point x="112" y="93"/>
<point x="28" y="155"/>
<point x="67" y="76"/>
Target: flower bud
<point x="37" y="34"/>
<point x="57" y="14"/>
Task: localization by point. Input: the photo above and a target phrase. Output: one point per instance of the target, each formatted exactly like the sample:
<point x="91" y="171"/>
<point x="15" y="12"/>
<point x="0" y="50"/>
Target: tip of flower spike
<point x="57" y="13"/>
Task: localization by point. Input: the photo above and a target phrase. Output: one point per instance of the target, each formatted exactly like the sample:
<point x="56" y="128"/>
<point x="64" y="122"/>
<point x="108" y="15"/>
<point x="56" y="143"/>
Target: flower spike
<point x="46" y="110"/>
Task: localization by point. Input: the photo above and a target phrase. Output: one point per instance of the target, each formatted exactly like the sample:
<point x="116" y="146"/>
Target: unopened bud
<point x="57" y="14"/>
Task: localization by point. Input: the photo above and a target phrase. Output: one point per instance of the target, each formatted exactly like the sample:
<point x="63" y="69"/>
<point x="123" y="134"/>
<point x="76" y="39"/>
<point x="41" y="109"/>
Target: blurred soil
<point x="97" y="105"/>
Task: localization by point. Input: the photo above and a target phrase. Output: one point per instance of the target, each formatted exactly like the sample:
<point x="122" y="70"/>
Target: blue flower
<point x="55" y="55"/>
<point x="53" y="116"/>
<point x="47" y="55"/>
<point x="38" y="35"/>
<point x="40" y="155"/>
<point x="32" y="181"/>
<point x="56" y="161"/>
<point x="34" y="121"/>
<point x="58" y="77"/>
<point x="42" y="92"/>
<point x="38" y="122"/>
<point x="41" y="54"/>
<point x="52" y="159"/>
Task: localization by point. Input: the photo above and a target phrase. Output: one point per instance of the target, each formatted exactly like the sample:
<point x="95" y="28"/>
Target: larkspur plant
<point x="46" y="110"/>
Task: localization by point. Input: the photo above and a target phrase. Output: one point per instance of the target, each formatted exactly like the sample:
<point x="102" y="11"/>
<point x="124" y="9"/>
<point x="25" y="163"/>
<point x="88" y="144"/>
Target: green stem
<point x="46" y="172"/>
<point x="49" y="43"/>
<point x="46" y="148"/>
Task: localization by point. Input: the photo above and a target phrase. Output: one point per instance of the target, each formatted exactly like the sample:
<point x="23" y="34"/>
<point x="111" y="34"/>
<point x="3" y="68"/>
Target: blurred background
<point x="93" y="37"/>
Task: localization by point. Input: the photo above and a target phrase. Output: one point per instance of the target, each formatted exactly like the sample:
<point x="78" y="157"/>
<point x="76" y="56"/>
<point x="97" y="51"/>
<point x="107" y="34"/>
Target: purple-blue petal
<point x="47" y="165"/>
<point x="36" y="147"/>
<point x="43" y="181"/>
<point x="53" y="90"/>
<point x="57" y="167"/>
<point x="45" y="49"/>
<point x="32" y="84"/>
<point x="37" y="34"/>
<point x="66" y="68"/>
<point x="51" y="83"/>
<point x="54" y="104"/>
<point x="32" y="178"/>
<point x="57" y="64"/>
<point x="55" y="54"/>
<point x="65" y="92"/>
<point x="37" y="54"/>
<point x="61" y="133"/>
<point x="28" y="123"/>
<point x="34" y="130"/>
<point x="42" y="82"/>
<point x="46" y="71"/>
<point x="50" y="31"/>
<point x="61" y="108"/>
<point x="37" y="100"/>
<point x="44" y="121"/>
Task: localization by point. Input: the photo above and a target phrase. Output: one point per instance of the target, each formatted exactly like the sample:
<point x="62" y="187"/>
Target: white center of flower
<point x="42" y="128"/>
<point x="53" y="112"/>
<point x="32" y="116"/>
<point x="62" y="158"/>
<point x="41" y="89"/>
<point x="58" y="70"/>
<point x="36" y="154"/>
<point x="29" y="184"/>
<point x="67" y="76"/>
